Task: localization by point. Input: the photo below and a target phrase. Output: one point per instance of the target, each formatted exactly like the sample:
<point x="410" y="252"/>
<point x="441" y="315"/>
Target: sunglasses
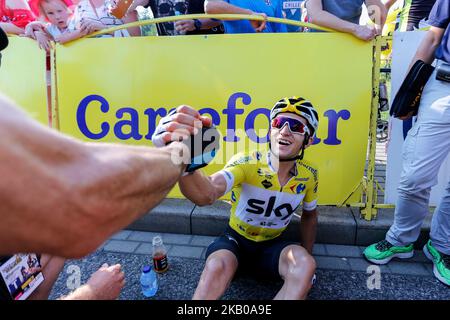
<point x="295" y="126"/>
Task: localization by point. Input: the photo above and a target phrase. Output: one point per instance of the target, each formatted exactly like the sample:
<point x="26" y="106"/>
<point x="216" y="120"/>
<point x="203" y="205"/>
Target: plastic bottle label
<point x="160" y="263"/>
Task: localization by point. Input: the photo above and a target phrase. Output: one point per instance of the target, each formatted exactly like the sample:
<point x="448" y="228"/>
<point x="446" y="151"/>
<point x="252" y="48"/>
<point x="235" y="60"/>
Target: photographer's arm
<point x="62" y="196"/>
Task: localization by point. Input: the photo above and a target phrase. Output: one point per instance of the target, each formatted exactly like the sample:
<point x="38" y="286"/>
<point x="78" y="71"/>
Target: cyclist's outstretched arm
<point x="201" y="189"/>
<point x="61" y="196"/>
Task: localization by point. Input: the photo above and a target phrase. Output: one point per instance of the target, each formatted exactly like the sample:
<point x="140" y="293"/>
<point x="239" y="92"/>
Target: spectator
<point x="264" y="8"/>
<point x="95" y="15"/>
<point x="58" y="26"/>
<point x="198" y="26"/>
<point x="293" y="10"/>
<point x="344" y="16"/>
<point x="411" y="14"/>
<point x="424" y="150"/>
<point x="168" y="8"/>
<point x="15" y="15"/>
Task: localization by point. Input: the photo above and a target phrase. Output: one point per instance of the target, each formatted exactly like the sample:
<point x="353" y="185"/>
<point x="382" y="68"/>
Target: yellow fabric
<point x="261" y="208"/>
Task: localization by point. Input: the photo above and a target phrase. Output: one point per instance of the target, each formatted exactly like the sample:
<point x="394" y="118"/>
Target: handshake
<point x="200" y="138"/>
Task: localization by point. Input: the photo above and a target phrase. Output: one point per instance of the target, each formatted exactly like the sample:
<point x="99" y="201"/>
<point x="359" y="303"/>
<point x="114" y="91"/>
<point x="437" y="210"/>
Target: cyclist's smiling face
<point x="286" y="144"/>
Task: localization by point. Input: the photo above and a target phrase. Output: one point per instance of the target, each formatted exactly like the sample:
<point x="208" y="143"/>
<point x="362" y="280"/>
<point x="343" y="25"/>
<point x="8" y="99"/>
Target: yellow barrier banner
<point x="117" y="89"/>
<point x="22" y="76"/>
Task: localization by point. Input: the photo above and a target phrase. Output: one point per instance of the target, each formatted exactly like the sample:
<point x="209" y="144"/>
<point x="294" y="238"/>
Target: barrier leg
<point x="370" y="212"/>
<point x="54" y="91"/>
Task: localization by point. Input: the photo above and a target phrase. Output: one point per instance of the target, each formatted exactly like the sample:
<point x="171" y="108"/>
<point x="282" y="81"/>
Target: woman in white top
<point x="95" y="15"/>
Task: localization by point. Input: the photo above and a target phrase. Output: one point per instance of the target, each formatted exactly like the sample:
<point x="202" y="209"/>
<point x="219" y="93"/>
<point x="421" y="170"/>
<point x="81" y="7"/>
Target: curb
<point x="337" y="225"/>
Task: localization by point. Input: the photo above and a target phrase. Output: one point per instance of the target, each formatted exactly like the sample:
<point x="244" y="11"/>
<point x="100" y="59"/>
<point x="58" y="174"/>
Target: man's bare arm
<point x="11" y="28"/>
<point x="377" y="12"/>
<point x="320" y="17"/>
<point x="201" y="189"/>
<point x="308" y="229"/>
<point x="65" y="197"/>
<point x="428" y="46"/>
<point x="426" y="51"/>
<point x="222" y="7"/>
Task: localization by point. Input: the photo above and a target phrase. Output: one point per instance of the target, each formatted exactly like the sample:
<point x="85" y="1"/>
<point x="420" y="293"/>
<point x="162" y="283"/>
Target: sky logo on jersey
<point x="257" y="206"/>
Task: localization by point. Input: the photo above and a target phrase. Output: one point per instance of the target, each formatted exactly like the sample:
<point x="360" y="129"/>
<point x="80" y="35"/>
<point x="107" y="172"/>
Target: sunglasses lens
<point x="295" y="126"/>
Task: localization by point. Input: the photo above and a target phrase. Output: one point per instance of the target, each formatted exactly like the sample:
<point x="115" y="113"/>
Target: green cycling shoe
<point x="382" y="252"/>
<point x="441" y="263"/>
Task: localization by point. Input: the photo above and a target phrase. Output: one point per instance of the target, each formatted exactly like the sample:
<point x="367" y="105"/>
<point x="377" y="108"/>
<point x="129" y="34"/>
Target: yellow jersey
<point x="261" y="207"/>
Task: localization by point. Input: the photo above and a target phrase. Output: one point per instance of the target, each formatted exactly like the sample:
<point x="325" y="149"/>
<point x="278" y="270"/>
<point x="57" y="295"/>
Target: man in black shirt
<point x="413" y="11"/>
<point x="167" y="8"/>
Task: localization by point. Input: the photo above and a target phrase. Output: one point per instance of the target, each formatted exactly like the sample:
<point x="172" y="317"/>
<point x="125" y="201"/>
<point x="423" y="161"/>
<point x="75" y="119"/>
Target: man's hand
<point x="184" y="26"/>
<point x="179" y="125"/>
<point x="257" y="24"/>
<point x="107" y="282"/>
<point x="364" y="32"/>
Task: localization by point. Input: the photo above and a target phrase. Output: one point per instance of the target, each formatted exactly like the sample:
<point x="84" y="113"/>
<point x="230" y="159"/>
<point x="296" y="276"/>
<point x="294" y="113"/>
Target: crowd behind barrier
<point x="58" y="23"/>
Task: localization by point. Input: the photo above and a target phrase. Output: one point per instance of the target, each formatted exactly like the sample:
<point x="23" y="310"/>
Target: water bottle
<point x="149" y="281"/>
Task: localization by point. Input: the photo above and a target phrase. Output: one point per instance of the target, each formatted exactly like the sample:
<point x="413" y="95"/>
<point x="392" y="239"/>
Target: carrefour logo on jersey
<point x="127" y="125"/>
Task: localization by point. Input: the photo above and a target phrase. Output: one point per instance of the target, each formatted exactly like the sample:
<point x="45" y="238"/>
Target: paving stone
<point x="419" y="256"/>
<point x="408" y="268"/>
<point x="319" y="250"/>
<point x="362" y="265"/>
<point x="171" y="215"/>
<point x="202" y="240"/>
<point x="121" y="246"/>
<point x="147" y="248"/>
<point x="429" y="268"/>
<point x="121" y="235"/>
<point x="343" y="251"/>
<point x="174" y="238"/>
<point x="333" y="263"/>
<point x="186" y="251"/>
<point x="142" y="236"/>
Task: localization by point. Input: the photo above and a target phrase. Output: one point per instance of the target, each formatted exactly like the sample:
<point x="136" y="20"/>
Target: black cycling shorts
<point x="259" y="259"/>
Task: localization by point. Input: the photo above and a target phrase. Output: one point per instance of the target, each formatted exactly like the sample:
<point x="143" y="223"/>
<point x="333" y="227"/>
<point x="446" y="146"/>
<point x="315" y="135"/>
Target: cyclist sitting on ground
<point x="266" y="189"/>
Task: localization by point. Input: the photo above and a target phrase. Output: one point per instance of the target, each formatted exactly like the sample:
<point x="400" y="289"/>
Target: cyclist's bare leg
<point x="297" y="268"/>
<point x="219" y="270"/>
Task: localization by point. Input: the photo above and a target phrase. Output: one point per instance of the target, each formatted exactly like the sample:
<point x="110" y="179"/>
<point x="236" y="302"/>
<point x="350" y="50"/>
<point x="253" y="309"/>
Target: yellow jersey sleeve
<point x="234" y="170"/>
<point x="311" y="197"/>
